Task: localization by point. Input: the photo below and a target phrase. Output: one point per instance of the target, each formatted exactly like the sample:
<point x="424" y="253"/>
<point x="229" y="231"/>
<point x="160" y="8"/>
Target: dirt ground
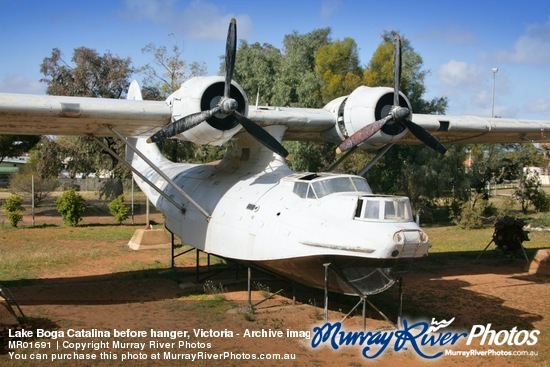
<point x="91" y="296"/>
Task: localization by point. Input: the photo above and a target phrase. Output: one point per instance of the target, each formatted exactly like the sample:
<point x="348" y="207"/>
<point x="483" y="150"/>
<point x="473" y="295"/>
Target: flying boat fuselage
<point x="291" y="223"/>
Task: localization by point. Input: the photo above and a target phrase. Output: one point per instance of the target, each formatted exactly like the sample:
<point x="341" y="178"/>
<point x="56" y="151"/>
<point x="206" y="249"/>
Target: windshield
<point x="384" y="208"/>
<point x="323" y="186"/>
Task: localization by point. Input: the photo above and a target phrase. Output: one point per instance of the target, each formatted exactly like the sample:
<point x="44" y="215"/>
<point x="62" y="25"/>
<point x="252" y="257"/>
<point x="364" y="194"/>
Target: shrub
<point x="541" y="201"/>
<point x="530" y="192"/>
<point x="119" y="210"/>
<point x="14" y="208"/>
<point x="71" y="206"/>
<point x="473" y="214"/>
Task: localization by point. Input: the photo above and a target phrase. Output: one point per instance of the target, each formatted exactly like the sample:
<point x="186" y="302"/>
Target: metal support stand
<point x="524" y="253"/>
<point x="11" y="302"/>
<point x="327" y="265"/>
<point x="197" y="265"/>
<point x="173" y="249"/>
<point x="400" y="305"/>
<point x="362" y="298"/>
<point x="485" y="249"/>
<point x="250" y="307"/>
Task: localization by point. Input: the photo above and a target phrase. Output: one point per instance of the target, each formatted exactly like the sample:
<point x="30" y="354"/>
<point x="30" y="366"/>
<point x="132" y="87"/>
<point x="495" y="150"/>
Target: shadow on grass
<point x="29" y="323"/>
<point x="428" y="291"/>
<point x="113" y="288"/>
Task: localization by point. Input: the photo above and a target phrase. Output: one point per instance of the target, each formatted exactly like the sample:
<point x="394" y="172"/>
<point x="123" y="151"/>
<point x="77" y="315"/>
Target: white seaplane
<point x="250" y="207"/>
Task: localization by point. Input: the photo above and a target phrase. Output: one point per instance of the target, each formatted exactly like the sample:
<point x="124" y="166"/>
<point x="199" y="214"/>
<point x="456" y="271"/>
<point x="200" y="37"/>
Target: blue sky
<point x="460" y="41"/>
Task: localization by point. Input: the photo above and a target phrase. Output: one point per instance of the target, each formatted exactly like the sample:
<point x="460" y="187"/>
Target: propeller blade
<point x="183" y="124"/>
<point x="425" y="137"/>
<point x="230" y="53"/>
<point x="261" y="135"/>
<point x="396" y="69"/>
<point x="362" y="134"/>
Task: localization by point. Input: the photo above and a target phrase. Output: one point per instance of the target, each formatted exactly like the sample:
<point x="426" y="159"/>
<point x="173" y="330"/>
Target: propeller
<point x="397" y="113"/>
<point x="226" y="106"/>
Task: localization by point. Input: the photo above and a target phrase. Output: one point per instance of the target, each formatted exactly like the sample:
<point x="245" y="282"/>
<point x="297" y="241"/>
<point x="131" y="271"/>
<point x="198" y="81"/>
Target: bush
<point x="119" y="210"/>
<point x="14" y="208"/>
<point x="71" y="206"/>
<point x="473" y="214"/>
<point x="541" y="201"/>
<point x="530" y="192"/>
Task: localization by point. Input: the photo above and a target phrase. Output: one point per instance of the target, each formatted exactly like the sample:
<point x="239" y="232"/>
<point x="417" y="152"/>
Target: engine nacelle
<point x="362" y="107"/>
<point x="201" y="94"/>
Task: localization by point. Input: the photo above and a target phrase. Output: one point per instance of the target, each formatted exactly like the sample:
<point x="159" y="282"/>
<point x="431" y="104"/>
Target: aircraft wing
<point x="57" y="115"/>
<point x="315" y="124"/>
<point x="475" y="130"/>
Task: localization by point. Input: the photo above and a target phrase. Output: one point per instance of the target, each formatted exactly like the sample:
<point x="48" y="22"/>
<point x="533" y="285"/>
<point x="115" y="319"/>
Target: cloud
<point x="329" y="7"/>
<point x="198" y="20"/>
<point x="451" y="35"/>
<point x="533" y="47"/>
<point x="203" y="20"/>
<point x="17" y="83"/>
<point x="460" y="74"/>
<point x="154" y="10"/>
<point x="540" y="106"/>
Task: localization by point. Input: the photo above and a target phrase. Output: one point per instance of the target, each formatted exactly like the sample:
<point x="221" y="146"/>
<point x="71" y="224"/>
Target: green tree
<point x="530" y="192"/>
<point x="163" y="76"/>
<point x="337" y="63"/>
<point x="43" y="168"/>
<point x="298" y="83"/>
<point x="415" y="171"/>
<point x="495" y="163"/>
<point x="71" y="206"/>
<point x="22" y="183"/>
<point x="379" y="72"/>
<point x="90" y="75"/>
<point x="46" y="158"/>
<point x="168" y="70"/>
<point x="16" y="145"/>
<point x="257" y="68"/>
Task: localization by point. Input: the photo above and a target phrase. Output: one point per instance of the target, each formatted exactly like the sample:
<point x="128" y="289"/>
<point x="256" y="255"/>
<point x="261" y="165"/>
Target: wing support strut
<point x="139" y="174"/>
<point x="368" y="166"/>
<point x="162" y="174"/>
<point x="376" y="158"/>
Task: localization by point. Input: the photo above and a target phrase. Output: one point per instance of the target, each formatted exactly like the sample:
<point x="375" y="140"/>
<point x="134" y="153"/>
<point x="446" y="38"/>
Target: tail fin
<point x="134" y="92"/>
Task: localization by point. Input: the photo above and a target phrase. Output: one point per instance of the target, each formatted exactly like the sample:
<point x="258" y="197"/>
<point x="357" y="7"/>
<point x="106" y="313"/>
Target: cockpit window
<point x="300" y="189"/>
<point x="320" y="186"/>
<point x="372" y="209"/>
<point x="386" y="208"/>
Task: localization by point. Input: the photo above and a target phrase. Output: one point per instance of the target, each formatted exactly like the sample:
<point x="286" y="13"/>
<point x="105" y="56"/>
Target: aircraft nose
<point x="410" y="243"/>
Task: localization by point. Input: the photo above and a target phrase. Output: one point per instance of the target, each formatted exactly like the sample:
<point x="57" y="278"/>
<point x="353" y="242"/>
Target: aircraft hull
<point x="346" y="274"/>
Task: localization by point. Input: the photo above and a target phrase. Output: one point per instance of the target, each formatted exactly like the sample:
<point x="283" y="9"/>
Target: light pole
<point x="495" y="71"/>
